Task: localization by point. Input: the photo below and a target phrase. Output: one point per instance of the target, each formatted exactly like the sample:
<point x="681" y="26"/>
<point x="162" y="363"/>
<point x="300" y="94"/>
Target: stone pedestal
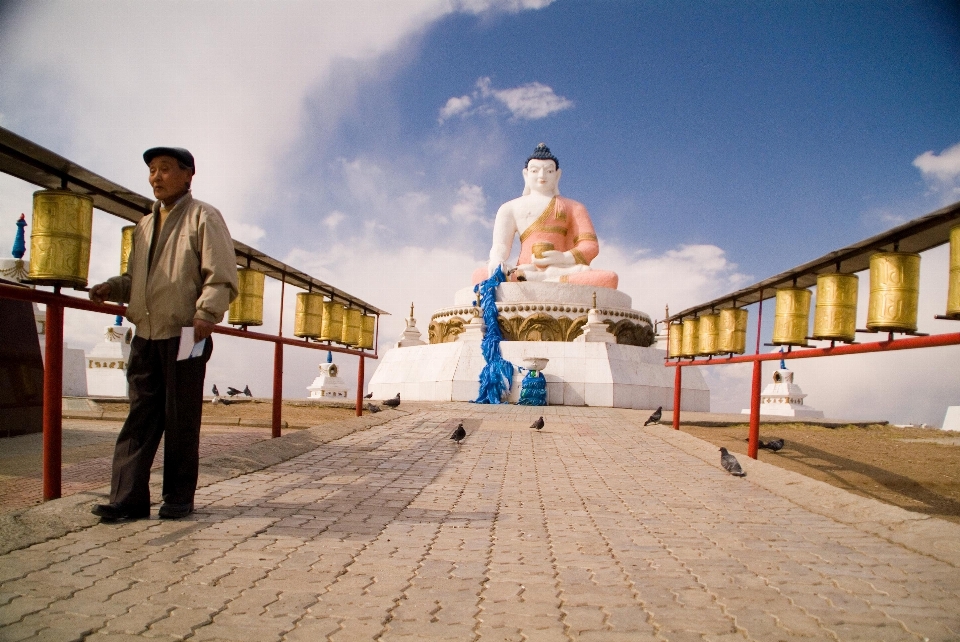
<point x="951" y="421"/>
<point x="578" y="374"/>
<point x="107" y="363"/>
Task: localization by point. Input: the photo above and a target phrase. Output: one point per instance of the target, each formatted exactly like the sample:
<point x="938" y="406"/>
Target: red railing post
<point x="360" y="388"/>
<point x="752" y="447"/>
<point x="676" y="399"/>
<point x="277" y="388"/>
<point x="53" y="402"/>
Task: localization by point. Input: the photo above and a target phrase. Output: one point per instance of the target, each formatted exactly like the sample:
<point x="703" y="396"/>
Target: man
<point x="182" y="272"/>
<point x="557" y="239"/>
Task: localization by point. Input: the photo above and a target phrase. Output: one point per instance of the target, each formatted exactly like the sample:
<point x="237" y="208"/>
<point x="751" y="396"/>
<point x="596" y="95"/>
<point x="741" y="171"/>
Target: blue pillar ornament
<point x="20" y="242"/>
<point x="496" y="378"/>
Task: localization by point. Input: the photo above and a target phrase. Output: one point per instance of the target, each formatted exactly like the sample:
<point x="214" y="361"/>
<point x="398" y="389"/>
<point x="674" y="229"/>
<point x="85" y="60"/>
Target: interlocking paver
<point x="594" y="529"/>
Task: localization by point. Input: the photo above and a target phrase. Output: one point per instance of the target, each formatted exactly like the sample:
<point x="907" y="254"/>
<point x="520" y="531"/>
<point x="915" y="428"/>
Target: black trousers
<point x="166" y="400"/>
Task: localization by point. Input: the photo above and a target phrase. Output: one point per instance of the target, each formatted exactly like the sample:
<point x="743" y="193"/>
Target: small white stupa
<point x="411" y="334"/>
<point x="328" y="385"/>
<point x="784" y="398"/>
<point x="107" y="362"/>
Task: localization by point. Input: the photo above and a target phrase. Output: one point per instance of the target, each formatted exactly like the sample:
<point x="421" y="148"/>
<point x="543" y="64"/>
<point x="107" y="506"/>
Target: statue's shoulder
<point x="570" y="205"/>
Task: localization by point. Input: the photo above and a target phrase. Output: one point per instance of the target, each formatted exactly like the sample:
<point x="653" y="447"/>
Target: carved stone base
<point x="578" y="374"/>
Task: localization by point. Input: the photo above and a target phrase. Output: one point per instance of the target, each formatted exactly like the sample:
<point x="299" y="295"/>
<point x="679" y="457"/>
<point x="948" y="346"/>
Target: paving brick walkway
<point x="594" y="529"/>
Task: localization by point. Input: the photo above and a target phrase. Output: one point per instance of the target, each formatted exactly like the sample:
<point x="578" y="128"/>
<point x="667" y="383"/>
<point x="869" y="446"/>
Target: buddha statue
<point x="557" y="239"/>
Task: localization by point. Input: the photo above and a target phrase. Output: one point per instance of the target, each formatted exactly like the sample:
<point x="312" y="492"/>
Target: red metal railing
<point x="53" y="369"/>
<point x="906" y="343"/>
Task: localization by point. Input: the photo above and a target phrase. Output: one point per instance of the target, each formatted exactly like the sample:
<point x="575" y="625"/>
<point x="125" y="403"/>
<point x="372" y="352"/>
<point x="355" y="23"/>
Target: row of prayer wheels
<point x="60" y="255"/>
<point x="315" y="318"/>
<point x="893" y="304"/>
<point x="724" y="332"/>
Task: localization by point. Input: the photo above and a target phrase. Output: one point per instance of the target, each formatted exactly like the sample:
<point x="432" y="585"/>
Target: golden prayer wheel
<point x="835" y="317"/>
<point x="247" y="308"/>
<point x="675" y="340"/>
<point x="60" y="241"/>
<point x="733" y="331"/>
<point x="126" y="244"/>
<point x="350" y="331"/>
<point x="953" y="291"/>
<point x="367" y="324"/>
<point x="539" y="248"/>
<point x="691" y="331"/>
<point x="708" y="337"/>
<point x="309" y="315"/>
<point x="894" y="292"/>
<point x="331" y="328"/>
<point x="792" y="317"/>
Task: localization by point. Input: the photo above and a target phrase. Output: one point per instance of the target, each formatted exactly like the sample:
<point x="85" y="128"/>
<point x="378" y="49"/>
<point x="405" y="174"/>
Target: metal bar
<point x="908" y="343"/>
<point x="53" y="402"/>
<point x="47" y="298"/>
<point x="759" y="322"/>
<point x="360" y="388"/>
<point x="752" y="447"/>
<point x="677" y="379"/>
<point x="277" y="389"/>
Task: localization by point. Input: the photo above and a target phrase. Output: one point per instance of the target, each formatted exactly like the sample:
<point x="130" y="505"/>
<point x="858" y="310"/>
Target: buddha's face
<point x="541" y="176"/>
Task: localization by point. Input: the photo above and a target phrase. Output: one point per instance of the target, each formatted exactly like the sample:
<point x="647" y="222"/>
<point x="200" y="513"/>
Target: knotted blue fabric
<point x="533" y="389"/>
<point x="496" y="378"/>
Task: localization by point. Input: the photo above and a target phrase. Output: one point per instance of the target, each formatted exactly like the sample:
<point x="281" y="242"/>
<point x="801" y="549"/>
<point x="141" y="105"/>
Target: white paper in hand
<point x="188" y="349"/>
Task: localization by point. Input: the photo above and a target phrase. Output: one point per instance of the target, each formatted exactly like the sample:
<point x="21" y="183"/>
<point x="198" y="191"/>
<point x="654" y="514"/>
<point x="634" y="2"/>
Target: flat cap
<point x="179" y="153"/>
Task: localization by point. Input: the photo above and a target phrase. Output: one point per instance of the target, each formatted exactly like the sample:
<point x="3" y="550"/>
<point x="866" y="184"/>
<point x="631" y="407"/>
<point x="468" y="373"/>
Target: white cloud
<point x="455" y="106"/>
<point x="470" y="206"/>
<point x="942" y="171"/>
<point x="334" y="219"/>
<point x="531" y="101"/>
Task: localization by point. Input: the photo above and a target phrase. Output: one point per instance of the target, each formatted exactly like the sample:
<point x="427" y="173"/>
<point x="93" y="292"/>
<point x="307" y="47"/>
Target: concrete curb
<point x="922" y="534"/>
<point x="56" y="518"/>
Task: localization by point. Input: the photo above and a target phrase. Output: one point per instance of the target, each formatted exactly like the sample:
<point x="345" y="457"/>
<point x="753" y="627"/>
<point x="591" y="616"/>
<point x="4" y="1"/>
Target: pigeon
<point x="232" y="391"/>
<point x="773" y="444"/>
<point x="538" y="424"/>
<point x="730" y="463"/>
<point x="392" y="403"/>
<point x="369" y="395"/>
<point x="216" y="393"/>
<point x="373" y="408"/>
<point x="655" y="417"/>
<point x="458" y="434"/>
<point x="246" y="391"/>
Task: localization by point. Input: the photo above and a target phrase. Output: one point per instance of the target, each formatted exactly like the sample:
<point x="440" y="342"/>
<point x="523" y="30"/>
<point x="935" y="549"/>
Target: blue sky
<point x="370" y="144"/>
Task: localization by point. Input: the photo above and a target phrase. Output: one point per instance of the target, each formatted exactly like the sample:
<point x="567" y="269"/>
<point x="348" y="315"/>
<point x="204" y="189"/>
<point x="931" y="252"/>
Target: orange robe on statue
<point x="564" y="224"/>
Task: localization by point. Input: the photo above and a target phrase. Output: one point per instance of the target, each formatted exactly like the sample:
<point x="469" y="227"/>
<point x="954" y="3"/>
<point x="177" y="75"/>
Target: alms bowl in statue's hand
<point x="554" y="258"/>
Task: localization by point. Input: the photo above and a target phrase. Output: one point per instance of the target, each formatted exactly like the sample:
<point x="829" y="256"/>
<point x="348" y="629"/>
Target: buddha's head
<point x="541" y="174"/>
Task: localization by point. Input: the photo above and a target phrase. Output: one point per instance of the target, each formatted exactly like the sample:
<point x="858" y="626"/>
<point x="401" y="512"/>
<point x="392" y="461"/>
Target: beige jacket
<point x="193" y="275"/>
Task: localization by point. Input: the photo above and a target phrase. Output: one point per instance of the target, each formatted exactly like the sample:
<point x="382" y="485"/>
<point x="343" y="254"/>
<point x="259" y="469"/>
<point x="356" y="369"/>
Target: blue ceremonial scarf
<point x="496" y="378"/>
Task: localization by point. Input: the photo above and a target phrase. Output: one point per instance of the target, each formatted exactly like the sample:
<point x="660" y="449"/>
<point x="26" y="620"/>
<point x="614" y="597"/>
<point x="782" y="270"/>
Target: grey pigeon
<point x="730" y="463"/>
<point x="458" y="434"/>
<point x="246" y="391"/>
<point x="369" y="395"/>
<point x="773" y="444"/>
<point x="538" y="424"/>
<point x="392" y="403"/>
<point x="232" y="391"/>
<point x="216" y="393"/>
<point x="372" y="408"/>
<point x="655" y="417"/>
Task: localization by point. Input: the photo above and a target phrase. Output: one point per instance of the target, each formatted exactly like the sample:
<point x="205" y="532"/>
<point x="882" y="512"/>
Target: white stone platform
<point x="578" y="374"/>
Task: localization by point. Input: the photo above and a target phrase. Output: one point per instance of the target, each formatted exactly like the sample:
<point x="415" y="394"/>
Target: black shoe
<point x="175" y="511"/>
<point x="117" y="512"/>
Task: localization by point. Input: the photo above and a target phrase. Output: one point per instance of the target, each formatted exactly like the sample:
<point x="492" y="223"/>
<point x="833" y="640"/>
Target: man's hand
<point x="555" y="258"/>
<point x="100" y="292"/>
<point x="201" y="329"/>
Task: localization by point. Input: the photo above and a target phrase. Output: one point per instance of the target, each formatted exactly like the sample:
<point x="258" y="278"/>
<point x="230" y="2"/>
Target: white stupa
<point x="107" y="362"/>
<point x="328" y="385"/>
<point x="784" y="398"/>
